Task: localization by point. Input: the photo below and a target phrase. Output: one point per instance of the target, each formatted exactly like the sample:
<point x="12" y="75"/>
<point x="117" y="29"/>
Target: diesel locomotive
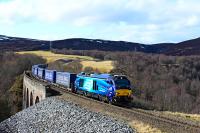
<point x="105" y="87"/>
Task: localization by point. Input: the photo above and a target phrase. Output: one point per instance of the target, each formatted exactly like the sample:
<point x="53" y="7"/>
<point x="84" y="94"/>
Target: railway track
<point x="165" y="124"/>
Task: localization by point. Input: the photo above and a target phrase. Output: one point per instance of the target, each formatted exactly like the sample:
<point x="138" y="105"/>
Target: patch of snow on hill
<point x="99" y="41"/>
<point x="4" y="38"/>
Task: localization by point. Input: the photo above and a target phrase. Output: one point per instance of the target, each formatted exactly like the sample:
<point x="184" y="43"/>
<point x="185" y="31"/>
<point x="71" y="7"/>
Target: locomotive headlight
<point x="130" y="92"/>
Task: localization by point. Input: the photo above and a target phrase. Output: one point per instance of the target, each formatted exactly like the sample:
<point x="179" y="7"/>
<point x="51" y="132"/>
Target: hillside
<point x="189" y="47"/>
<point x="103" y="45"/>
<point x="18" y="44"/>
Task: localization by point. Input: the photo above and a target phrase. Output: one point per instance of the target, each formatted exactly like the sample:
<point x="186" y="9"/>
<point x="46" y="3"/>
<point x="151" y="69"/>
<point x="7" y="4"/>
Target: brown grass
<point x="193" y="117"/>
<point x="143" y="127"/>
<point x="102" y="66"/>
<point x="51" y="57"/>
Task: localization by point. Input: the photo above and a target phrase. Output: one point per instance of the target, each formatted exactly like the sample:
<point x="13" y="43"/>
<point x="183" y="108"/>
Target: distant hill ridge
<point x="190" y="47"/>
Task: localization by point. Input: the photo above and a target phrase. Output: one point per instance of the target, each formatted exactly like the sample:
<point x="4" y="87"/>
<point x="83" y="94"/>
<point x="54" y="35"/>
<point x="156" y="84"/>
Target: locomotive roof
<point x="100" y="76"/>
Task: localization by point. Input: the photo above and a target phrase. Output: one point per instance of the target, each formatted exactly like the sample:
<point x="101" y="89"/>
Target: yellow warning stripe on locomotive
<point x="123" y="92"/>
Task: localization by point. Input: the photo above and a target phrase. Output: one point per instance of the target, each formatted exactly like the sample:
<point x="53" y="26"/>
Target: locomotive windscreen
<point x="122" y="82"/>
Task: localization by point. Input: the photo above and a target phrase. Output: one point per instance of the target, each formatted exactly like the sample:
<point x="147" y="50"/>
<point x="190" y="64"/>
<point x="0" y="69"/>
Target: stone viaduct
<point x="33" y="91"/>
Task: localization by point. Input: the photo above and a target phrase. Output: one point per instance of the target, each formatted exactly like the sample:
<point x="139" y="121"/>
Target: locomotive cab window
<point x="109" y="82"/>
<point x="122" y="82"/>
<point x="95" y="86"/>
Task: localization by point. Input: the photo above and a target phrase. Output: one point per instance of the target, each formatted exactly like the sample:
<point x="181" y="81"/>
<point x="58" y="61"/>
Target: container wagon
<point x="42" y="65"/>
<point x="41" y="72"/>
<point x="50" y="75"/>
<point x="35" y="70"/>
<point x="66" y="79"/>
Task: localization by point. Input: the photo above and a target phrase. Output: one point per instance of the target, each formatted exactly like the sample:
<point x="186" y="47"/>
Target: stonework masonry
<point x="33" y="92"/>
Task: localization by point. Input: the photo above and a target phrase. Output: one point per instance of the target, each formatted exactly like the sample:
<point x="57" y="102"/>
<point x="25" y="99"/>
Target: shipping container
<point x="41" y="72"/>
<point x="66" y="79"/>
<point x="42" y="65"/>
<point x="34" y="70"/>
<point x="50" y="75"/>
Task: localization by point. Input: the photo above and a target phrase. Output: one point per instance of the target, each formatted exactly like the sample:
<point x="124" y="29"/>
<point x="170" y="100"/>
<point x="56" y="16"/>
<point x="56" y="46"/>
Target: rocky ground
<point x="56" y="115"/>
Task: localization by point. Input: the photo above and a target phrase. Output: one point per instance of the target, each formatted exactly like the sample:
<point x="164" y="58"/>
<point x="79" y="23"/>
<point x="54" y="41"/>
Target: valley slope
<point x="190" y="47"/>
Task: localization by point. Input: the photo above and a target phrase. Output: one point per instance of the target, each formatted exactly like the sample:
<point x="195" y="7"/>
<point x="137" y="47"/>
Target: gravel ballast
<point x="56" y="115"/>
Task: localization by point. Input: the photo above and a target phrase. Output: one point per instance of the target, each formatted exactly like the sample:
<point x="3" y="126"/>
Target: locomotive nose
<point x="123" y="92"/>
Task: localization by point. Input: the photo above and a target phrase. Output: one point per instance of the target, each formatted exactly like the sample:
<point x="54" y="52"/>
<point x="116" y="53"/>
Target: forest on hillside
<point x="12" y="67"/>
<point x="159" y="82"/>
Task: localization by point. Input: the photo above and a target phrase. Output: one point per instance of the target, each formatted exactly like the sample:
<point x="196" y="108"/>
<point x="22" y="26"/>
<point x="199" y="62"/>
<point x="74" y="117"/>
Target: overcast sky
<point x="144" y="21"/>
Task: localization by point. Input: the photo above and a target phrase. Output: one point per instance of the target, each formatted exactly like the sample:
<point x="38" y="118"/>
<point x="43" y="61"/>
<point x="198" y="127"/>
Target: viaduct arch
<point x="33" y="90"/>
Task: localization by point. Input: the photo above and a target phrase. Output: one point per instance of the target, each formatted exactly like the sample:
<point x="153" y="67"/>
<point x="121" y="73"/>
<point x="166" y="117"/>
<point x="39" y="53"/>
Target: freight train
<point x="106" y="87"/>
